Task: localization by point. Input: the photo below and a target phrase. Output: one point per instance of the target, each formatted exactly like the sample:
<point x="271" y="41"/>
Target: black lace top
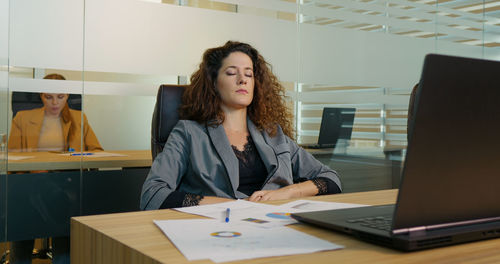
<point x="252" y="170"/>
<point x="252" y="176"/>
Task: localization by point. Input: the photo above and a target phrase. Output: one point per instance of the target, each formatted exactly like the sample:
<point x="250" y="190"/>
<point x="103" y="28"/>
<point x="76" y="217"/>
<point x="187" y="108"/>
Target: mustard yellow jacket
<point x="27" y="124"/>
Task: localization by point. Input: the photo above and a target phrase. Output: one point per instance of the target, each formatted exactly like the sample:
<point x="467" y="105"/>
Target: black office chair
<point x="165" y="115"/>
<point x="27" y="101"/>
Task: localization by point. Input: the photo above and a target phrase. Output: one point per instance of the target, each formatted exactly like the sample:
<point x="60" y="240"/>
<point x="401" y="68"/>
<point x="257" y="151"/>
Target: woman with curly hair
<point x="234" y="139"/>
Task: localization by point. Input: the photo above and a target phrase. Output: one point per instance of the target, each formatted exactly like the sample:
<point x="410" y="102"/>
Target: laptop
<point x="336" y="123"/>
<point x="449" y="191"/>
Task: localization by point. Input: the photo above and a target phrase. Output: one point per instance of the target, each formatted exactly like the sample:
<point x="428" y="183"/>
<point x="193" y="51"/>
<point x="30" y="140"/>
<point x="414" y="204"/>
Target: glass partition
<point x="4" y="75"/>
<point x="368" y="55"/>
<point x="114" y="54"/>
<point x="45" y="123"/>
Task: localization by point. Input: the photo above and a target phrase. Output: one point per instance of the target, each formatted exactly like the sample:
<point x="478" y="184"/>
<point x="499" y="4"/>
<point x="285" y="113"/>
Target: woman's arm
<point x="311" y="177"/>
<point x="306" y="167"/>
<point x="213" y="200"/>
<point x="303" y="189"/>
<point x="166" y="171"/>
<point x="14" y="143"/>
<point x="178" y="199"/>
<point x="90" y="139"/>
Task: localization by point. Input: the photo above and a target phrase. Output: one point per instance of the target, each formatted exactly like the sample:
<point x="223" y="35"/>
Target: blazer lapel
<point x="34" y="128"/>
<point x="226" y="153"/>
<point x="266" y="152"/>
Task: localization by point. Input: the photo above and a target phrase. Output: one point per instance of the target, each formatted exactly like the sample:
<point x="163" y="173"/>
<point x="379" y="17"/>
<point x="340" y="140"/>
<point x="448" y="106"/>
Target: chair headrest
<point x="27" y="101"/>
<point x="165" y="115"/>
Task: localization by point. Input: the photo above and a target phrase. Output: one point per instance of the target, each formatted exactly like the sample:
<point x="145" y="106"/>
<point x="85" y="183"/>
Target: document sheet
<point x="219" y="241"/>
<point x="262" y="215"/>
<point x="243" y="230"/>
<point x="302" y="206"/>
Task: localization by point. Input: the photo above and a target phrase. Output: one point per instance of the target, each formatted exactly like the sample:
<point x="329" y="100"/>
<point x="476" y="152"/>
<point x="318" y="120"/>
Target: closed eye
<point x="248" y="72"/>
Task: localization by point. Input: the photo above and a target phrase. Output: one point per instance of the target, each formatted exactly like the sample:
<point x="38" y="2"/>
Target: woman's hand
<point x="291" y="191"/>
<point x="269" y="195"/>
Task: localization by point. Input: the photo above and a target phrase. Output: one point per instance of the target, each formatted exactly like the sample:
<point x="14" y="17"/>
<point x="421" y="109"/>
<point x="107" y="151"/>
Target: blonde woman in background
<point x="53" y="127"/>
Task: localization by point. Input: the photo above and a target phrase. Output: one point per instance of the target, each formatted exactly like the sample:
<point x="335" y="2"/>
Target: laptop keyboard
<point x="378" y="222"/>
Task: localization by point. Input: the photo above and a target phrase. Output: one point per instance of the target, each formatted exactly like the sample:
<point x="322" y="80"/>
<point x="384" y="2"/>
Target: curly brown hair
<point x="202" y="103"/>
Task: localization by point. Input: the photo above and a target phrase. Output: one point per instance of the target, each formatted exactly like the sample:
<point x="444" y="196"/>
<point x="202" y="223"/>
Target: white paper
<point x="212" y="239"/>
<point x="10" y="157"/>
<point x="263" y="215"/>
<point x="258" y="214"/>
<point x="301" y="206"/>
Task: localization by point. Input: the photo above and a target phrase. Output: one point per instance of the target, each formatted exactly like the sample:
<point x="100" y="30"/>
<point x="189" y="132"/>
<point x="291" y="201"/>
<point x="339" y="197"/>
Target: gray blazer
<point x="199" y="159"/>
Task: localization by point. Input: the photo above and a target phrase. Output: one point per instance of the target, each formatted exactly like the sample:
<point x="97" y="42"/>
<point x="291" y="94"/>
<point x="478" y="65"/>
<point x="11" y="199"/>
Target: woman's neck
<point x="51" y="115"/>
<point x="235" y="126"/>
<point x="235" y="120"/>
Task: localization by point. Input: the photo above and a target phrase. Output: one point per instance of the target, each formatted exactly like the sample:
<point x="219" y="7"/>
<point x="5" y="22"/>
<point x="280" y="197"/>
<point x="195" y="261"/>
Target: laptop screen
<point x="452" y="165"/>
<point x="336" y="123"/>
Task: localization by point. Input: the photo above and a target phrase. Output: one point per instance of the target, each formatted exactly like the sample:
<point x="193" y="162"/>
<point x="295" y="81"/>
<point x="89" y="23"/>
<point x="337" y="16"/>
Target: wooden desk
<point x="133" y="238"/>
<point x="54" y="161"/>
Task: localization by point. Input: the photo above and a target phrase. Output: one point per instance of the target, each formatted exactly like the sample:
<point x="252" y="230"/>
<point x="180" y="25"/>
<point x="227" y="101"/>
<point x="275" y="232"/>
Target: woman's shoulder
<point x="190" y="124"/>
<point x="29" y="114"/>
<point x="279" y="134"/>
<point x="189" y="130"/>
<point x="278" y="138"/>
<point x="74" y="111"/>
<point x="75" y="114"/>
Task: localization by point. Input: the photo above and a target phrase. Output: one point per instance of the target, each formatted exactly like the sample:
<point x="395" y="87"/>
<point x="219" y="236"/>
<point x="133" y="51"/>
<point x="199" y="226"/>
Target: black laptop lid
<point x="452" y="165"/>
<point x="336" y="123"/>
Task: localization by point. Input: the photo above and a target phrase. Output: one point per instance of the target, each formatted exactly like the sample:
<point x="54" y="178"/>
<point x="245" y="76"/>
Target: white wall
<point x="144" y="38"/>
<point x="131" y="37"/>
<point x="120" y="122"/>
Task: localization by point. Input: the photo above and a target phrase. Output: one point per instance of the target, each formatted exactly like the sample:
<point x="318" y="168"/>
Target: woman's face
<point x="54" y="103"/>
<point x="235" y="81"/>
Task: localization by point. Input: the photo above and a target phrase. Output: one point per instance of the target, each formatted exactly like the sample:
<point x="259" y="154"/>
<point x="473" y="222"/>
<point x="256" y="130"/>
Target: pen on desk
<point x="81" y="154"/>
<point x="227" y="215"/>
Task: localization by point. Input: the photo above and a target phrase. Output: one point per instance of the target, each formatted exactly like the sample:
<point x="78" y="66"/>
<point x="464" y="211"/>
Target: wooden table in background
<point x="55" y="161"/>
<point x="134" y="238"/>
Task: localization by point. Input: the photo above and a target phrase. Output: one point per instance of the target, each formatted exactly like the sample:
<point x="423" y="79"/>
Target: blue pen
<point x="81" y="154"/>
<point x="227" y="215"/>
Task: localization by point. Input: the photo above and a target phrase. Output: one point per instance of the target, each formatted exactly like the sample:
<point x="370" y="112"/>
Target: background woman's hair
<point x="54" y="76"/>
<point x="201" y="102"/>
